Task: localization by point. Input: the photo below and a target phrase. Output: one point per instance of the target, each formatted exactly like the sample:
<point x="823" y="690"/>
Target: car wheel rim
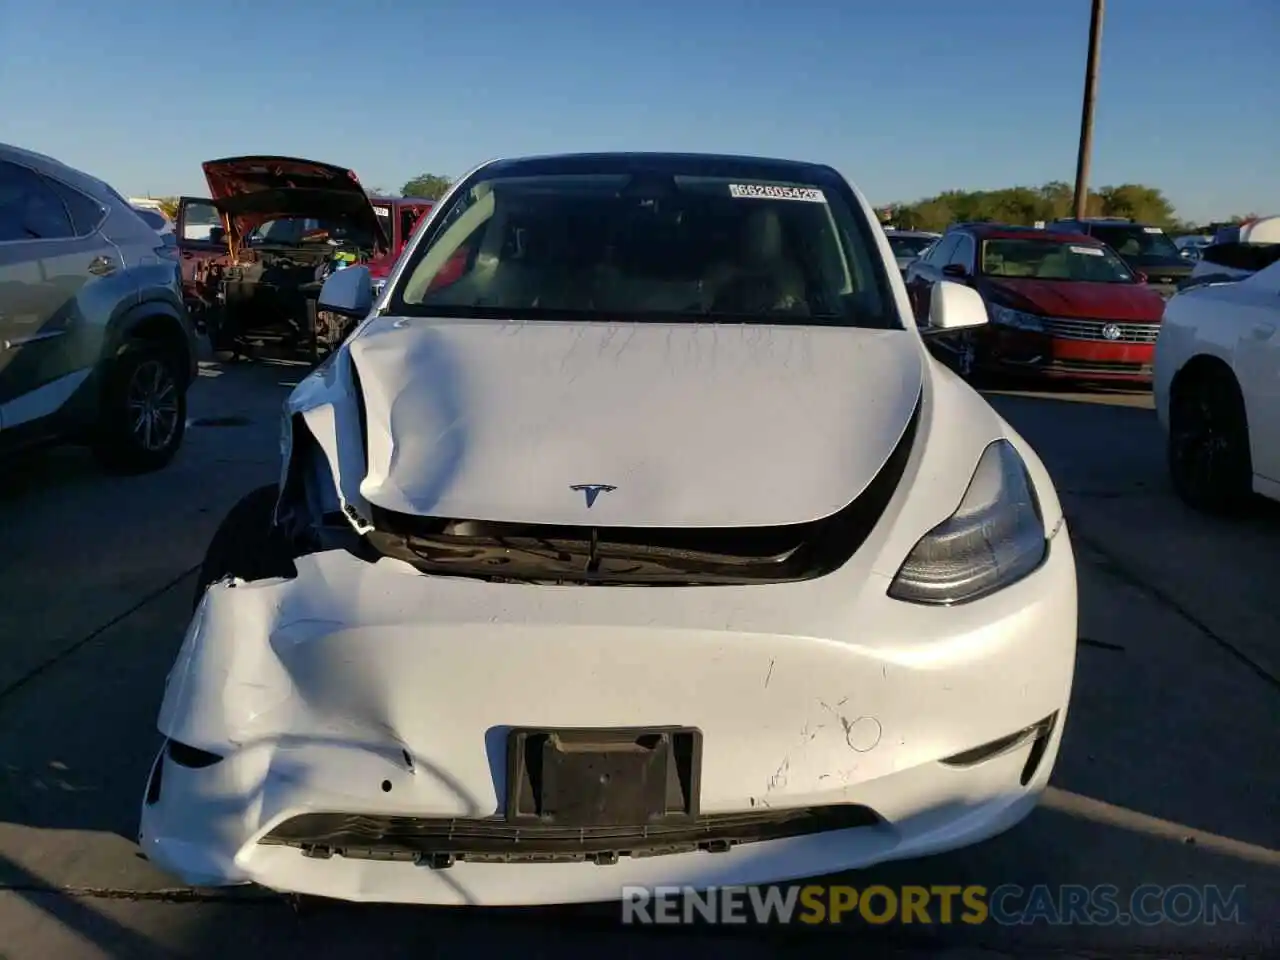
<point x="152" y="405"/>
<point x="1202" y="444"/>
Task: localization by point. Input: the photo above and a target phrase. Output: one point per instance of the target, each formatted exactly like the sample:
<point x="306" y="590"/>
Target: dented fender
<point x="327" y="402"/>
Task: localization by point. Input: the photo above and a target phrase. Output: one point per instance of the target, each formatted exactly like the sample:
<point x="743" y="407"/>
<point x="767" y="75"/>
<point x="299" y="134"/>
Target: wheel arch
<point x="155" y="322"/>
<point x="1201" y="367"/>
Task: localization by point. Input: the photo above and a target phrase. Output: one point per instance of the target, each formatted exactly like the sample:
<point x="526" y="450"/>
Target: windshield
<point x="1050" y="260"/>
<point x="383" y="212"/>
<point x="641" y="246"/>
<point x="909" y="246"/>
<point x="296" y="231"/>
<point x="1131" y="240"/>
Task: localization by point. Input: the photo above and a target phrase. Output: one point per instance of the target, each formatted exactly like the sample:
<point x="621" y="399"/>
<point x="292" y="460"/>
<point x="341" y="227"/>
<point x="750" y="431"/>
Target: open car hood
<point x="253" y="190"/>
<point x="671" y="425"/>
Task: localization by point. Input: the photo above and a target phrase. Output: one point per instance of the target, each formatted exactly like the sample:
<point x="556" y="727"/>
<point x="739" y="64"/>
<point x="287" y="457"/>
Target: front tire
<point x="143" y="417"/>
<point x="247" y="544"/>
<point x="1208" y="445"/>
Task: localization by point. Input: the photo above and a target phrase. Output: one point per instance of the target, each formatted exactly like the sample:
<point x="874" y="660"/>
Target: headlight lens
<point x="1008" y="317"/>
<point x="995" y="537"/>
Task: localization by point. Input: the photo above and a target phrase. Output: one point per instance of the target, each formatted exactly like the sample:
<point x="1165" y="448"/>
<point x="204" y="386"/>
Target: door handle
<point x="101" y="266"/>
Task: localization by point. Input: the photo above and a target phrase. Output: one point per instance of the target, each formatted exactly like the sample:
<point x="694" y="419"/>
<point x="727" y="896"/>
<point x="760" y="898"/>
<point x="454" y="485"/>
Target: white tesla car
<point x="1217" y="390"/>
<point x="633" y="537"/>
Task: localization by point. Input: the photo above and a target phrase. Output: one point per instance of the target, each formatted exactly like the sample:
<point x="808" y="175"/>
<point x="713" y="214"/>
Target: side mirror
<point x="348" y="293"/>
<point x="952" y="307"/>
<point x="955" y="270"/>
<point x="1140" y="276"/>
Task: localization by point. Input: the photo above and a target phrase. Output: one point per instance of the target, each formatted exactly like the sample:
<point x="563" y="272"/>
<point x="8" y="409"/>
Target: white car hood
<point x="690" y="424"/>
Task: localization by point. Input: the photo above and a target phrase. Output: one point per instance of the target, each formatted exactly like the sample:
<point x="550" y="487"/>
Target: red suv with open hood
<point x="1061" y="305"/>
<point x="255" y="251"/>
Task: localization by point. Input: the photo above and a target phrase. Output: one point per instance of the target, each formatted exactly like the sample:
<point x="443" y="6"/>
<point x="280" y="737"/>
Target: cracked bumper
<point x="370" y="689"/>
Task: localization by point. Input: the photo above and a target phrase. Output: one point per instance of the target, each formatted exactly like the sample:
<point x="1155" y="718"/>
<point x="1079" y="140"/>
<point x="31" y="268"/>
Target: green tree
<point x="429" y="186"/>
<point x="1025" y="205"/>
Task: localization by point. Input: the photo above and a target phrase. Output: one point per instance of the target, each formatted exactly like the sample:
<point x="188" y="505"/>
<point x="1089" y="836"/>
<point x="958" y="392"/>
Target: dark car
<point x="255" y="252"/>
<point x="908" y="245"/>
<point x="1061" y="305"/>
<point x="1145" y="248"/>
<point x="95" y="344"/>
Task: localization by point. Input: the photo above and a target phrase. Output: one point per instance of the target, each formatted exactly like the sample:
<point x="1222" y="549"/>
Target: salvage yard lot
<point x="1167" y="774"/>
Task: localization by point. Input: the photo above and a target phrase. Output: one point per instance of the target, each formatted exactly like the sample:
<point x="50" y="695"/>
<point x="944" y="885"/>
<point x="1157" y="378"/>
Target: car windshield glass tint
<point x="1135" y="241"/>
<point x="1050" y="260"/>
<point x="615" y="247"/>
<point x="909" y="246"/>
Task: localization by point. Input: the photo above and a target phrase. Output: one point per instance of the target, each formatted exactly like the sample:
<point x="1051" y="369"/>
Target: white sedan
<point x="1217" y="390"/>
<point x="632" y="538"/>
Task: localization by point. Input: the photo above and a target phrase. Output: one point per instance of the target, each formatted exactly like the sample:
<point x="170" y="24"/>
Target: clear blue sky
<point x="906" y="97"/>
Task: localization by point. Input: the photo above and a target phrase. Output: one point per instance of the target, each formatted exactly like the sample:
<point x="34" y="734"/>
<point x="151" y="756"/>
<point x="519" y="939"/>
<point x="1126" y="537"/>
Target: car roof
<point x="402" y="201"/>
<point x="696" y="164"/>
<point x="927" y="234"/>
<point x="52" y="166"/>
<point x="1101" y="221"/>
<point x="1005" y="231"/>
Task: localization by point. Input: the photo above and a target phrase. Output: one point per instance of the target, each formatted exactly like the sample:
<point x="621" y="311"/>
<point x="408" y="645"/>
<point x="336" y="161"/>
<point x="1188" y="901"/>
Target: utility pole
<point x="1086" y="112"/>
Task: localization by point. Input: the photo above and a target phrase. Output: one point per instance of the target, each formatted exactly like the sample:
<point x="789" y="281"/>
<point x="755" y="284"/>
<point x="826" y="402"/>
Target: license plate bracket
<point x="603" y="777"/>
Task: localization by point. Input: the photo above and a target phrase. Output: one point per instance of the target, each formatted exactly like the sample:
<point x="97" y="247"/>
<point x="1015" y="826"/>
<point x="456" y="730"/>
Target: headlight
<point x="1008" y="317"/>
<point x="995" y="537"/>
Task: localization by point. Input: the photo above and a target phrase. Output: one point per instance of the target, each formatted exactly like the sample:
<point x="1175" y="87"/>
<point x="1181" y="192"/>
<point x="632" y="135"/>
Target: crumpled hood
<point x="688" y="424"/>
<point x="1079" y="300"/>
<point x="253" y="190"/>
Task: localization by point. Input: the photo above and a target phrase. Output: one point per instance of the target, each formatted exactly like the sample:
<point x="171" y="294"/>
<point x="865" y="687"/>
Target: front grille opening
<point x="565" y="554"/>
<point x="440" y="843"/>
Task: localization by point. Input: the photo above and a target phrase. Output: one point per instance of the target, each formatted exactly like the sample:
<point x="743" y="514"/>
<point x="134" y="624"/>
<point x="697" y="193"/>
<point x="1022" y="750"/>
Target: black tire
<point x="247" y="544"/>
<point x="143" y="416"/>
<point x="1208" y="445"/>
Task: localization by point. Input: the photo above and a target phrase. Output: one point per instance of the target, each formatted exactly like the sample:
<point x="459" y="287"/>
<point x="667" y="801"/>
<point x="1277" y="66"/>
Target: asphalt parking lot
<point x="1167" y="776"/>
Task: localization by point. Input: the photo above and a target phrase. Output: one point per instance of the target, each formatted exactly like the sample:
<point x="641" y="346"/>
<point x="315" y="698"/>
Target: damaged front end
<point x="324" y="452"/>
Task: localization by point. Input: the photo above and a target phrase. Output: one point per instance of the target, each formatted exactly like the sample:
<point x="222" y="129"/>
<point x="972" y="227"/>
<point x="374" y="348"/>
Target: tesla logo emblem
<point x="592" y="490"/>
<point x="1111" y="331"/>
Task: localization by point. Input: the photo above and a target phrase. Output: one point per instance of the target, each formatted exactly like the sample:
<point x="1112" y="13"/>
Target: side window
<point x="943" y="249"/>
<point x="29" y="208"/>
<point x="963" y="253"/>
<point x="87" y="214"/>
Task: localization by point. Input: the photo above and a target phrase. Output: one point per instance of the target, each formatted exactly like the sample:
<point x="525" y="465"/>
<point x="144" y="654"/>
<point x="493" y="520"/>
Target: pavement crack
<point x="1113" y="565"/>
<point x="93" y="634"/>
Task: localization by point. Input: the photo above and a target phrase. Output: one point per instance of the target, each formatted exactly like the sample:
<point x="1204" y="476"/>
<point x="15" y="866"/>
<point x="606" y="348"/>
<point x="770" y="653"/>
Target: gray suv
<point x="95" y="344"/>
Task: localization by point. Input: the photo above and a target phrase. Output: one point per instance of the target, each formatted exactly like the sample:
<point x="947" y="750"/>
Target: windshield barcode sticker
<point x="1087" y="251"/>
<point x="760" y="191"/>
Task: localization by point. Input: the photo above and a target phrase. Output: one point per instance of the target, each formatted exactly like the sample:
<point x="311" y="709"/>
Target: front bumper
<point x="372" y="690"/>
<point x="1042" y="355"/>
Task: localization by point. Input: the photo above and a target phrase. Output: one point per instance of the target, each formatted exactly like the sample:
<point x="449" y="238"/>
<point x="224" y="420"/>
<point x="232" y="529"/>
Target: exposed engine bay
<point x="269" y="294"/>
